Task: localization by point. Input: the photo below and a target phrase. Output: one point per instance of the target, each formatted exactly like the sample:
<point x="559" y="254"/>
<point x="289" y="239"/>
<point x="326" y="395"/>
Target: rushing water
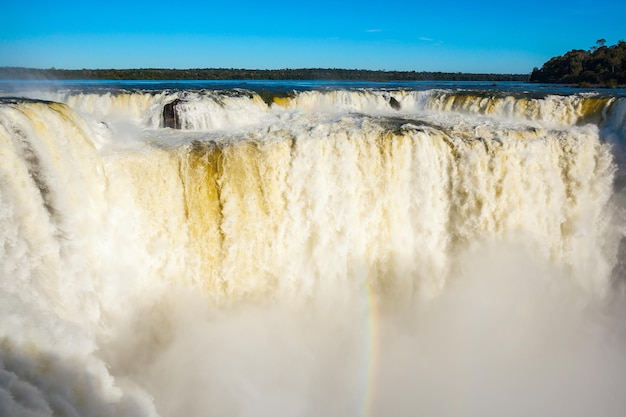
<point x="311" y="249"/>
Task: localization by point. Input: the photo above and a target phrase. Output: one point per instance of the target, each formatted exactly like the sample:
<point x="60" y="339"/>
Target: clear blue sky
<point x="456" y="35"/>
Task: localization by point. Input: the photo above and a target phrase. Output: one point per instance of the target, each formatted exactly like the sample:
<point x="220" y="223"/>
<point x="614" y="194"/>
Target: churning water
<point x="338" y="251"/>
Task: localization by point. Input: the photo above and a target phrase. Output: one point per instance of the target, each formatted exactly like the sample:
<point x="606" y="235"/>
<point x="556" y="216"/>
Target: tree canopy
<point x="600" y="65"/>
<point x="334" y="74"/>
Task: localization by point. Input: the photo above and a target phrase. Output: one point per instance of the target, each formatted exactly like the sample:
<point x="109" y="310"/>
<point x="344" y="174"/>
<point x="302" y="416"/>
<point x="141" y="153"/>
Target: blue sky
<point x="449" y="36"/>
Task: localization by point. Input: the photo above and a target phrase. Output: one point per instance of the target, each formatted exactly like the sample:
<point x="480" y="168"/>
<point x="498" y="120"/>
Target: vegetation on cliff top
<point x="19" y="73"/>
<point x="601" y="65"/>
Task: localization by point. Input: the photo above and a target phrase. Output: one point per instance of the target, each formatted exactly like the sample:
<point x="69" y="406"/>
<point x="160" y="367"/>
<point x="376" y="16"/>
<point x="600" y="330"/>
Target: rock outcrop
<point x="170" y="115"/>
<point x="395" y="104"/>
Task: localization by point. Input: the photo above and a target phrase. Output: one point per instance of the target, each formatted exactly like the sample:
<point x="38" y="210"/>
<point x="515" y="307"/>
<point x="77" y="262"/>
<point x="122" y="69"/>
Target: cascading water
<point x="336" y="252"/>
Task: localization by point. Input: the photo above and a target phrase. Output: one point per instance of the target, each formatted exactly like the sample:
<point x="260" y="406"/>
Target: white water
<point x="325" y="255"/>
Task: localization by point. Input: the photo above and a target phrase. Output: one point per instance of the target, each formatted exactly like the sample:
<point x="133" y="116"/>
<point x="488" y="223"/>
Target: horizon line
<point x="5" y="67"/>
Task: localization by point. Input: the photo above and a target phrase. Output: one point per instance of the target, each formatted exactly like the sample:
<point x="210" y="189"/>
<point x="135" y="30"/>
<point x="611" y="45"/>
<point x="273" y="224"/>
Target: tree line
<point x="600" y="65"/>
<point x="332" y="74"/>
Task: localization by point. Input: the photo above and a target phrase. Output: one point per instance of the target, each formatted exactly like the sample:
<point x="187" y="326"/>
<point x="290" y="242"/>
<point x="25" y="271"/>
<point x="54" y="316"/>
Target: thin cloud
<point x="433" y="42"/>
<point x="374" y="30"/>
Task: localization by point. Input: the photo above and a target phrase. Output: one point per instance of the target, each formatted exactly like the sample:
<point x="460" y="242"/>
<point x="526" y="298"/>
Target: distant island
<point x="331" y="74"/>
<point x="601" y="65"/>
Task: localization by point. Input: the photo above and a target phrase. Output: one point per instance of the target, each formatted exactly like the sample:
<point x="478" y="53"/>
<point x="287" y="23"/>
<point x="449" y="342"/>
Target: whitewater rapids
<point x="321" y="252"/>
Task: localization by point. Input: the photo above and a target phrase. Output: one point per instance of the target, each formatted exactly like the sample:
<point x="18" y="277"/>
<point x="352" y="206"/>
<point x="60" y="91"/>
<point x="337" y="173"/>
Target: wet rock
<point x="395" y="104"/>
<point x="170" y="115"/>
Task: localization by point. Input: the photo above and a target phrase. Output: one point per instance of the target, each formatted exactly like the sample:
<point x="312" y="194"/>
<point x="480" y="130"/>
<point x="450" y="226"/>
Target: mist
<point x="510" y="335"/>
<point x="313" y="260"/>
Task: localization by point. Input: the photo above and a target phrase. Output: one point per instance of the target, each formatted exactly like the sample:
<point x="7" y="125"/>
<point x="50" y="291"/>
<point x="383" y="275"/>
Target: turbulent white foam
<point x="220" y="112"/>
<point x="240" y="267"/>
<point x="365" y="101"/>
<point x="205" y="110"/>
<point x="615" y="120"/>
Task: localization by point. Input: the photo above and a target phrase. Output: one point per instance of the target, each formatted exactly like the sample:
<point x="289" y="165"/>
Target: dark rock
<point x="170" y="115"/>
<point x="395" y="104"/>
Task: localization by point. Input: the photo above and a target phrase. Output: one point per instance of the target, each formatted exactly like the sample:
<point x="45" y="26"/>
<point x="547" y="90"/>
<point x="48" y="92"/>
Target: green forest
<point x="332" y="74"/>
<point x="601" y="65"/>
